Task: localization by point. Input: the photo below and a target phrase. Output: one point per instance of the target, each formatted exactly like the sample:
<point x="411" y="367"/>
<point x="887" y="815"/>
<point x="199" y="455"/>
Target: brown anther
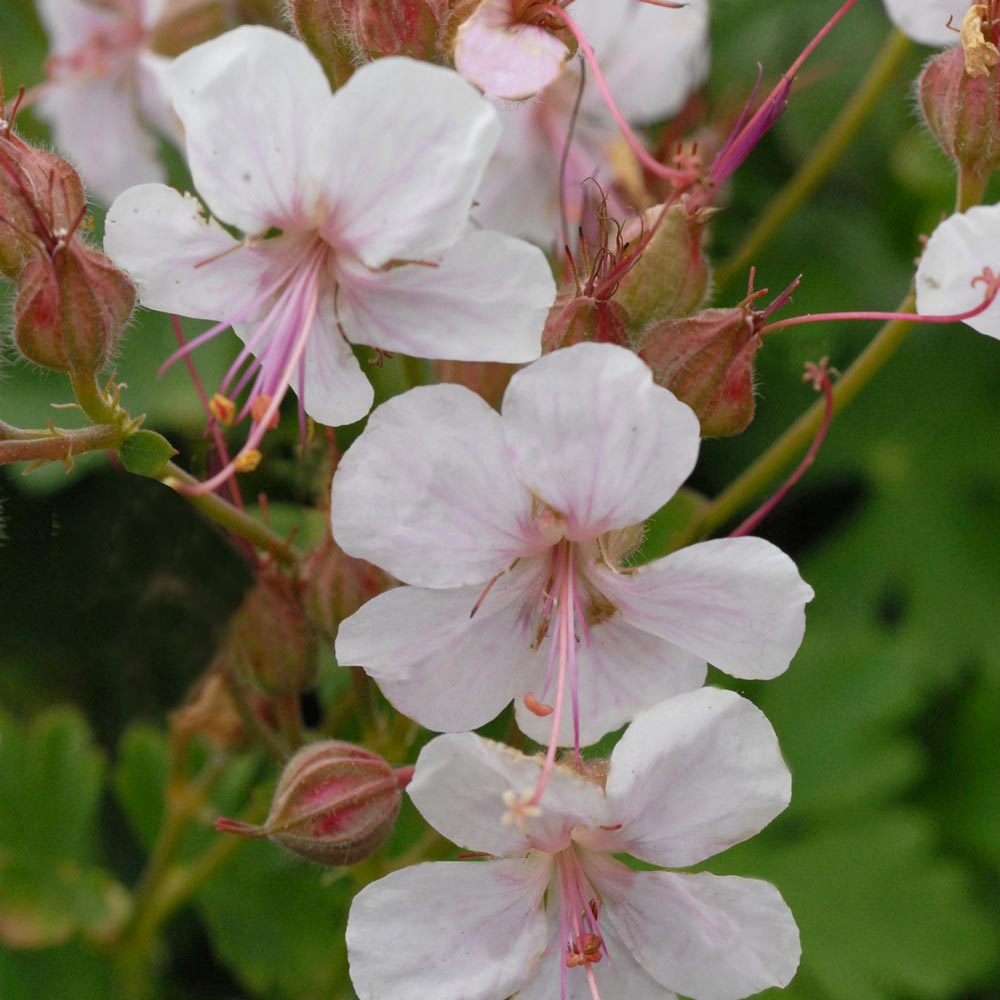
<point x="980" y="55"/>
<point x="586" y="950"/>
<point x="259" y="408"/>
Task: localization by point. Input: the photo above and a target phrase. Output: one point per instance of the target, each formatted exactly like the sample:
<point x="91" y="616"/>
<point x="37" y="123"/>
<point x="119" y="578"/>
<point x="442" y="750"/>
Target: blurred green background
<point x="113" y="592"/>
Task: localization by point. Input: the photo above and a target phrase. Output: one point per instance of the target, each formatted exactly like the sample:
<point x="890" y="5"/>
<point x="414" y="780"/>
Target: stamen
<point x="532" y="704"/>
<point x="223" y="409"/>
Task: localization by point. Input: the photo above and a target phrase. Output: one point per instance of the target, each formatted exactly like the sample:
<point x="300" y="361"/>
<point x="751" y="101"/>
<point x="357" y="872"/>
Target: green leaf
<point x="882" y="913"/>
<point x="146" y="453"/>
<point x="140" y="780"/>
<point x="51" y="780"/>
<point x="68" y="973"/>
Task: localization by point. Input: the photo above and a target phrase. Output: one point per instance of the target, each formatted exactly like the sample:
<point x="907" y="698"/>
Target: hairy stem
<point x="55" y="445"/>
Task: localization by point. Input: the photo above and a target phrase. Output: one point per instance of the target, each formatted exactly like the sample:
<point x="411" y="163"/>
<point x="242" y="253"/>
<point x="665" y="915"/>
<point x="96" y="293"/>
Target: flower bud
<point x="337" y="584"/>
<point x="184" y="24"/>
<point x="210" y="712"/>
<point x="671" y="275"/>
<point x="706" y="360"/>
<point x="335" y="804"/>
<point x="71" y="309"/>
<point x="575" y="318"/>
<point x="271" y="642"/>
<point x="960" y="97"/>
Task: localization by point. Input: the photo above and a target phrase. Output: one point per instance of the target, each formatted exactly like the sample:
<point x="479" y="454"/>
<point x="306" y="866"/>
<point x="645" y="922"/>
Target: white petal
<point x="702" y="935"/>
<point x="622" y="671"/>
<point x="461" y="930"/>
<point x="249" y="100"/>
<point x="592" y="435"/>
<point x="153" y="86"/>
<point x="958" y="250"/>
<point x="121" y="152"/>
<point x="618" y="975"/>
<point x="69" y="23"/>
<point x="435" y="662"/>
<point x="691" y="777"/>
<point x="737" y="602"/>
<point x="652" y="58"/>
<point x="485" y="299"/>
<point x="336" y="391"/>
<point x="428" y="493"/>
<point x="402" y="149"/>
<point x="459" y="788"/>
<point x="505" y="59"/>
<point x="926" y="21"/>
<point x="180" y="261"/>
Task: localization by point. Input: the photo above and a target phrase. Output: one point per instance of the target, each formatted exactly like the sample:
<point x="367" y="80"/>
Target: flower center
<point x="580" y="939"/>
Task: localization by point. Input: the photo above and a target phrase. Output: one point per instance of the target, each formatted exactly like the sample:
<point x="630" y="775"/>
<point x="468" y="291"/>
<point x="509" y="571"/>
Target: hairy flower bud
<point x="336" y="585"/>
<point x="575" y="318"/>
<point x="706" y="360"/>
<point x="71" y="309"/>
<point x="671" y="275"/>
<point x="959" y="93"/>
<point x="335" y="804"/>
<point x="271" y="642"/>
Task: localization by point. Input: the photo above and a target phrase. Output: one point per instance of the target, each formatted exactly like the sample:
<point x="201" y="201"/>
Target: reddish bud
<point x="270" y="641"/>
<point x="960" y="96"/>
<point x="71" y="309"/>
<point x="706" y="360"/>
<point x="335" y="804"/>
<point x="186" y="23"/>
<point x="575" y="318"/>
<point x="336" y="585"/>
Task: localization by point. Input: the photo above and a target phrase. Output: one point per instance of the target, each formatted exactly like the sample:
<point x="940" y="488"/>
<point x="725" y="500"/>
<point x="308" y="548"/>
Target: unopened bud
<point x="186" y="23"/>
<point x="71" y="309"/>
<point x="671" y="276"/>
<point x="576" y="318"/>
<point x="960" y="97"/>
<point x="706" y="360"/>
<point x="270" y="641"/>
<point x="337" y="584"/>
<point x="335" y="804"/>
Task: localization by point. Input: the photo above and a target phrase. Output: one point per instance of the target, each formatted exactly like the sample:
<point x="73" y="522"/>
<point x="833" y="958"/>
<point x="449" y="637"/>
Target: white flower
<point x="105" y="90"/>
<point x="521" y="518"/>
<point x="555" y="914"/>
<point x="652" y="59"/>
<point x="958" y="267"/>
<point x="356" y="209"/>
<point x="926" y="21"/>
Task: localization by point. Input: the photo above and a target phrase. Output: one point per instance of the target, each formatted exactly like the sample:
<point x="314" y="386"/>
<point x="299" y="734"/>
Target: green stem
<point x="95" y="403"/>
<point x="971" y="188"/>
<point x="55" y="445"/>
<point x="259" y="535"/>
<point x="795" y="440"/>
<point x="826" y="153"/>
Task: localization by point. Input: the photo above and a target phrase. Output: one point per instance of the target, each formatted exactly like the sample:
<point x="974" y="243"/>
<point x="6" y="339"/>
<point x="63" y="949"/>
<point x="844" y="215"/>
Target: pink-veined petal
<point x="336" y="390"/>
<point x="427" y="492"/>
<point x="485" y="299"/>
<point x="248" y="100"/>
<point x="705" y="936"/>
<point x="737" y="602"/>
<point x="181" y="261"/>
<point x="121" y="152"/>
<point x="153" y="86"/>
<point x="957" y="252"/>
<point x="618" y="975"/>
<point x="926" y="21"/>
<point x="461" y="930"/>
<point x="590" y="433"/>
<point x="622" y="671"/>
<point x="400" y="153"/>
<point x="436" y="662"/>
<point x="652" y="58"/>
<point x="504" y="59"/>
<point x="69" y="23"/>
<point x="691" y="777"/>
<point x="459" y="788"/>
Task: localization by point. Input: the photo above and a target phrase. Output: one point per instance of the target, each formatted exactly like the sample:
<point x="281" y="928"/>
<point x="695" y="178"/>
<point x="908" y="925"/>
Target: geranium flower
<point x="511" y="531"/>
<point x="356" y="207"/>
<point x="555" y="913"/>
<point x="927" y="21"/>
<point x="652" y="59"/>
<point x="959" y="265"/>
<point x="106" y="90"/>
